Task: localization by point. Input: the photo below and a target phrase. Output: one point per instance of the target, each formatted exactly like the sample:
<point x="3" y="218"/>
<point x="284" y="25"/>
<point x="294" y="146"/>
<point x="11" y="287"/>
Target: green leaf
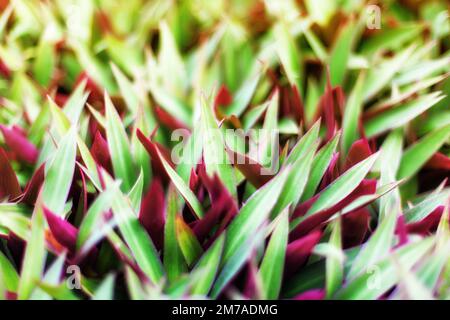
<point x="237" y="259"/>
<point x="352" y="114"/>
<point x="191" y="153"/>
<point x="305" y="144"/>
<point x="170" y="62"/>
<point x="377" y="247"/>
<point x="365" y="200"/>
<point x="371" y="285"/>
<point x="76" y="102"/>
<point x="342" y="186"/>
<point x="37" y="129"/>
<point x="98" y="71"/>
<point x="92" y="218"/>
<point x="391" y="153"/>
<point x="58" y="292"/>
<point x="422" y="209"/>
<point x="319" y="167"/>
<point x="316" y="45"/>
<point x="400" y="95"/>
<point x="119" y="147"/>
<point x="420" y="152"/>
<point x="105" y="291"/>
<point x="173" y="105"/>
<point x="289" y="54"/>
<point x="145" y="122"/>
<point x="4" y="17"/>
<point x="34" y="257"/>
<point x="9" y="274"/>
<point x="52" y="277"/>
<point x="98" y="116"/>
<point x="422" y="70"/>
<point x="379" y="76"/>
<point x="272" y="265"/>
<point x="14" y="218"/>
<point x="59" y="173"/>
<point x="409" y="286"/>
<point x="389" y="161"/>
<point x="134" y="285"/>
<point x="254" y="213"/>
<point x="91" y="166"/>
<point x="44" y="64"/>
<point x="311" y="277"/>
<point x="391" y="38"/>
<point x="296" y="182"/>
<point x="252" y="115"/>
<point x="314" y="274"/>
<point x="244" y="95"/>
<point x="189" y="245"/>
<point x="135" y="194"/>
<point x="431" y="270"/>
<point x="136" y="237"/>
<point x="340" y="53"/>
<point x="321" y="11"/>
<point x="267" y="152"/>
<point x="182" y="188"/>
<point x="333" y="265"/>
<point x="173" y="257"/>
<point x="312" y="101"/>
<point x="401" y="115"/>
<point x="60" y="121"/>
<point x="124" y="53"/>
<point x="126" y="89"/>
<point x="215" y="157"/>
<point x="208" y="266"/>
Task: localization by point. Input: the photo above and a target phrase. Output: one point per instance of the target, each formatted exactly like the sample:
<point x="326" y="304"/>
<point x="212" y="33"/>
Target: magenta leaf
<point x="19" y="144"/>
<point x="152" y="213"/>
<point x="9" y="185"/>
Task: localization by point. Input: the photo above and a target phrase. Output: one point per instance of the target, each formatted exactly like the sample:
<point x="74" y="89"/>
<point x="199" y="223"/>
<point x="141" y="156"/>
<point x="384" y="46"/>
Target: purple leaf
<point x="168" y="120"/>
<point x="152" y="149"/>
<point x="298" y="252"/>
<point x="359" y="151"/>
<point x="249" y="168"/>
<point x="439" y="161"/>
<point x="428" y="224"/>
<point x="9" y="185"/>
<point x="331" y="173"/>
<point x="355" y="225"/>
<point x="19" y="144"/>
<point x="152" y="213"/>
<point x="32" y="188"/>
<point x="401" y="231"/>
<point x="223" y="97"/>
<point x="223" y="206"/>
<point x="100" y="152"/>
<point x="313" y="294"/>
<point x="63" y="232"/>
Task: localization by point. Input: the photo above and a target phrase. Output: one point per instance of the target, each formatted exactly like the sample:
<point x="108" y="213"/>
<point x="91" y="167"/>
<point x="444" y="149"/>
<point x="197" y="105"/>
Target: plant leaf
<point x="254" y="213"/>
<point x="272" y="265"/>
<point x="59" y="173"/>
<point x="119" y="147"/>
<point x="342" y="186"/>
<point x="419" y="153"/>
<point x="208" y="265"/>
<point x="399" y="116"/>
<point x="34" y="258"/>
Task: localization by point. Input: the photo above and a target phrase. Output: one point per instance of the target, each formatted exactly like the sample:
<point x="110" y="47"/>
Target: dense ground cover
<point x="224" y="149"/>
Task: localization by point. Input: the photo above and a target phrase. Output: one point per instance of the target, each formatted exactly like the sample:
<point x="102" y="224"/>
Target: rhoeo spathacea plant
<point x="224" y="149"/>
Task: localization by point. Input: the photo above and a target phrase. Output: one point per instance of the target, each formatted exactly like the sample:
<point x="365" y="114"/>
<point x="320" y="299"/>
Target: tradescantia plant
<point x="119" y="178"/>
